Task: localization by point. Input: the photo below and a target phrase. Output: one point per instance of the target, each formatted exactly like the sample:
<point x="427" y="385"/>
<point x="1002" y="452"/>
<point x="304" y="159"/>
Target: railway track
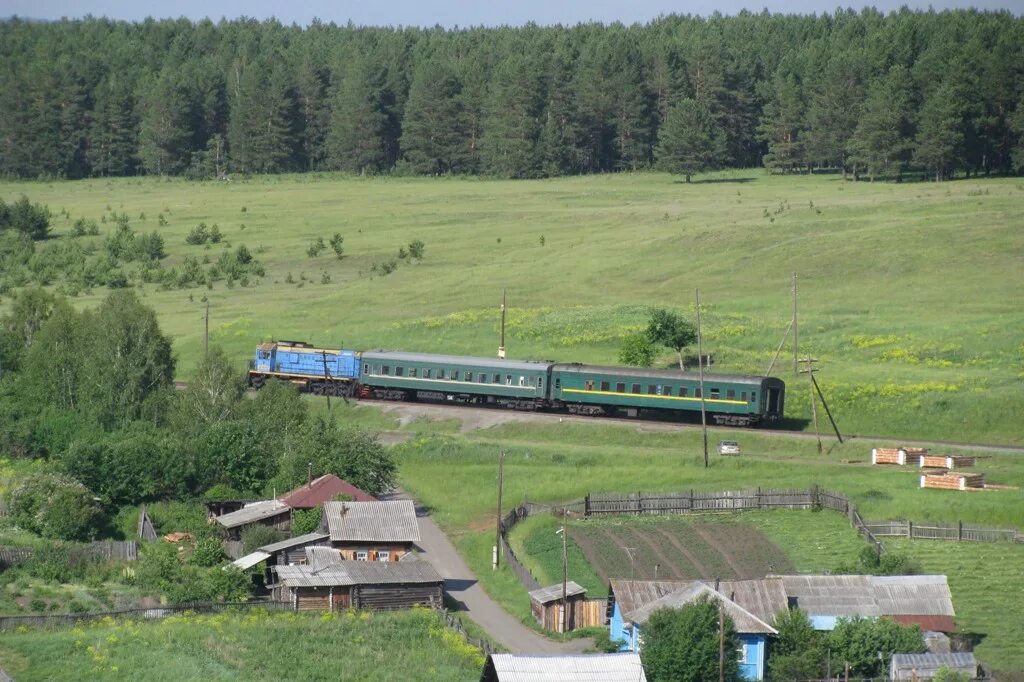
<point x="653" y="424"/>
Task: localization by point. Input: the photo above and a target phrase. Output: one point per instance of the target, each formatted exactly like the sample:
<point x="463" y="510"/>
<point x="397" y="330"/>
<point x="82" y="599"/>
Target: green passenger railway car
<point x="730" y="399"/>
<point x="452" y="378"/>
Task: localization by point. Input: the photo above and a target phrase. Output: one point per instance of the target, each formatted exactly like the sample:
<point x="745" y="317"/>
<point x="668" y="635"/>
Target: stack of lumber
<point x="897" y="455"/>
<point x="913" y="455"/>
<point x="953" y="481"/>
<point x="948" y="461"/>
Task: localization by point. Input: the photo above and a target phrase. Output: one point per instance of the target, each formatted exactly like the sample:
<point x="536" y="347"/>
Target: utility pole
<point x="565" y="580"/>
<point x="700" y="366"/>
<point x="796" y="331"/>
<point x="827" y="411"/>
<point x="327" y="382"/>
<point x="814" y="410"/>
<point x="501" y="345"/>
<point x="629" y="553"/>
<point x="497" y="541"/>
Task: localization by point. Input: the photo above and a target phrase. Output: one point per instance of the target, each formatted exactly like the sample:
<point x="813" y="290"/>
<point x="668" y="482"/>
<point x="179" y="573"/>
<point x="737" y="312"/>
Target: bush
<point x="215" y="235"/>
<point x="55" y="506"/>
<point x="306" y="520"/>
<point x="31" y="220"/>
<point x="256" y="536"/>
<point x="198" y="235"/>
<point x="416" y="248"/>
<point x="55" y="562"/>
<point x="315" y="247"/>
<point x="636" y="350"/>
<point x="208" y="552"/>
<point x="336" y="244"/>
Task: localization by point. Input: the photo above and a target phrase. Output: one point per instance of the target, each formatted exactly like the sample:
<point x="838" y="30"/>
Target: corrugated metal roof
<point x="294" y="542"/>
<point x="455" y="360"/>
<point x="344" y="573"/>
<point x="321" y="490"/>
<point x="671" y="374"/>
<point x="624" y="667"/>
<point x="744" y="621"/>
<point x="863" y="595"/>
<point x="546" y="595"/>
<point x="633" y="594"/>
<point x="925" y="664"/>
<point x="250" y="560"/>
<point x="390" y="521"/>
<point x="764" y="598"/>
<point x="250" y="513"/>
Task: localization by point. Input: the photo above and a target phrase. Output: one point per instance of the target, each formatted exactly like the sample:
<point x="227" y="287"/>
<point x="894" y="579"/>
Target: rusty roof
<point x="321" y="490"/>
<point x="927" y="623"/>
<point x="388" y="521"/>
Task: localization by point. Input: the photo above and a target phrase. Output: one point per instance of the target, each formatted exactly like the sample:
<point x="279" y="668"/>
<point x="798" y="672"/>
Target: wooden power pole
<point x="814" y="410"/>
<point x="497" y="541"/>
<point x="565" y="580"/>
<point x="721" y="644"/>
<point x="501" y="344"/>
<point x="327" y="382"/>
<point x="700" y="366"/>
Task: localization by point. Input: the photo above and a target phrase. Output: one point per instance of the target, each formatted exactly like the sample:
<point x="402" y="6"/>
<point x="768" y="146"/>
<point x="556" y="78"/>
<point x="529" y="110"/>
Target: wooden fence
<point x="455" y="623"/>
<point x="941" y="531"/>
<point x="511" y="560"/>
<point x="104" y="550"/>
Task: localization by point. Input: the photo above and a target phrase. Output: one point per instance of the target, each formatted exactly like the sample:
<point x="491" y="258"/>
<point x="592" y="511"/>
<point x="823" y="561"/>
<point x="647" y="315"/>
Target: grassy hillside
<point x="411" y="645"/>
<point x="908" y="292"/>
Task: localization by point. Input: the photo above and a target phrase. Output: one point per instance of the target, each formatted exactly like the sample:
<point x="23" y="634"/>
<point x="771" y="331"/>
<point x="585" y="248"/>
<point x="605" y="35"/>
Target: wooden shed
<point x="546" y="604"/>
<point x="272" y="513"/>
<point x="359" y="585"/>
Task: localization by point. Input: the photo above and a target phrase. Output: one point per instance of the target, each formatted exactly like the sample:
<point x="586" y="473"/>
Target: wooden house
<point x="272" y="513"/>
<point x="372" y="531"/>
<point x="359" y="585"/>
<point x="547" y="607"/>
<point x="319" y="491"/>
<point x="621" y="667"/>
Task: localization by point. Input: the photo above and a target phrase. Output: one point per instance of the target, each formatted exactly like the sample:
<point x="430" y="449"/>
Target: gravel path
<point x="461" y="584"/>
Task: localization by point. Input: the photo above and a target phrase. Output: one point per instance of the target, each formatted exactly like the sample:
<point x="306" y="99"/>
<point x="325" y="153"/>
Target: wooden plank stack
<point x="953" y="481"/>
<point x="897" y="455"/>
<point x="948" y="461"/>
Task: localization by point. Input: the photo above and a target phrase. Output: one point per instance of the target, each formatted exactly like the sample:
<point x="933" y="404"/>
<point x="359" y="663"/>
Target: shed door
<point x="340" y="599"/>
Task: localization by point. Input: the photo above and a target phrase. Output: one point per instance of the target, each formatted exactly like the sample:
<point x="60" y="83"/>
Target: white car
<point x="728" y="447"/>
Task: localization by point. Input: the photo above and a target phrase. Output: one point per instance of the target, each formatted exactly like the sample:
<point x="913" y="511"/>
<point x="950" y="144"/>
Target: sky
<point x="450" y="13"/>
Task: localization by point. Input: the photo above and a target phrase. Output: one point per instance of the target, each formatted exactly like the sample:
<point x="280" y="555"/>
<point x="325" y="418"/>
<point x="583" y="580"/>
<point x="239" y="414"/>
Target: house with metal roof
<point x="923" y="600"/>
<point x="321" y="490"/>
<point x="621" y="667"/>
<point x="635" y="601"/>
<point x="925" y="666"/>
<point x="341" y="584"/>
<point x="372" y="531"/>
<point x="272" y="513"/>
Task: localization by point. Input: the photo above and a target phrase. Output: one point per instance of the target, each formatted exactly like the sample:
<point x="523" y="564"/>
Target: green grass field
<point x="410" y="645"/>
<point x="909" y="292"/>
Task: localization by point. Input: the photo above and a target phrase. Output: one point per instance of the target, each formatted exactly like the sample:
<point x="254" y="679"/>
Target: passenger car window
<point x="427" y="373"/>
<point x="385" y="370"/>
<point x="636" y="388"/>
<point x="497" y="378"/>
<point x="605" y="386"/>
<point x="588" y="385"/>
<point x="399" y="371"/>
<point x="620" y="388"/>
<point x="653" y="390"/>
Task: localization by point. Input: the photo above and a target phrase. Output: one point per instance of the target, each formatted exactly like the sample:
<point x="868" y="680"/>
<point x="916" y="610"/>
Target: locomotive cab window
<point x="588" y="385"/>
<point x="605" y="386"/>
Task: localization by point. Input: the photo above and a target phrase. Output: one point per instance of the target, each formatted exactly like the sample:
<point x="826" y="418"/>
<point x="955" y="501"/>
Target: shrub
<point x="416" y="248"/>
<point x="55" y="506"/>
<point x="215" y="235"/>
<point x="336" y="244"/>
<point x="208" y="552"/>
<point x="198" y="235"/>
<point x="306" y="520"/>
<point x="256" y="536"/>
<point x="636" y="350"/>
<point x="315" y="247"/>
<point x="31" y="220"/>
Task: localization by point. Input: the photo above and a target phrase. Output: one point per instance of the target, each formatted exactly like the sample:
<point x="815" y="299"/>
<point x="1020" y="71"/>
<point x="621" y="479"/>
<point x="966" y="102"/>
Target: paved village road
<point x="461" y="584"/>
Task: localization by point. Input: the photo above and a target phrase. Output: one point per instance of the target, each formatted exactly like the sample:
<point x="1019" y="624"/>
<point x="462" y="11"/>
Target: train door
<point x="772" y="406"/>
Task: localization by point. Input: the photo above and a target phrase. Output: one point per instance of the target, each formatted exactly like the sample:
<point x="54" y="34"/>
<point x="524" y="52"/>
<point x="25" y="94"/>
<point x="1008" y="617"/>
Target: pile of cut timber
<point x="948" y="461"/>
<point x="953" y="481"/>
<point x="897" y="455"/>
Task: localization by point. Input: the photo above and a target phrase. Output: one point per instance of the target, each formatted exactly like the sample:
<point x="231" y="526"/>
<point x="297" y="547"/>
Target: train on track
<point x="574" y="388"/>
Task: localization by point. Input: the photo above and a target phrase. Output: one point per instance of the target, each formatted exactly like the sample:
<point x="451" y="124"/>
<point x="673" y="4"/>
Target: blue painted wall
<point x="309" y="362"/>
<point x="751" y="665"/>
